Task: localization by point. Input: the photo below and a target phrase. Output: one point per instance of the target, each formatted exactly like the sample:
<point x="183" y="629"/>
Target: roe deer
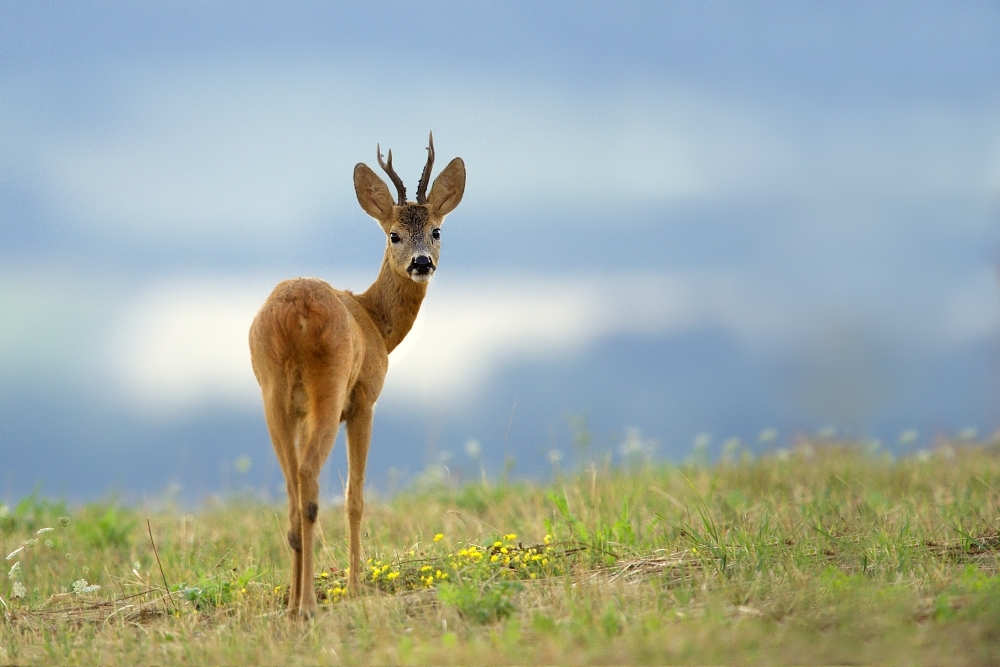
<point x="320" y="356"/>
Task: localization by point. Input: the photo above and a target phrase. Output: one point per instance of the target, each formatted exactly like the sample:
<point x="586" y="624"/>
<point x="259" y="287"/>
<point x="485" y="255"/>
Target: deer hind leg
<point x="359" y="435"/>
<point x="282" y="426"/>
<point x="319" y="432"/>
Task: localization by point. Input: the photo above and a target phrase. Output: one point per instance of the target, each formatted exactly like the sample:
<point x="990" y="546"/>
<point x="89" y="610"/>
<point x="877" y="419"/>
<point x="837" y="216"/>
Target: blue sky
<point x="680" y="218"/>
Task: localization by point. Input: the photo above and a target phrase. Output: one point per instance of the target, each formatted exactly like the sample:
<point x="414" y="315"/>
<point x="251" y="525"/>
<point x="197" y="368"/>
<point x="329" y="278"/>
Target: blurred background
<point x="688" y="228"/>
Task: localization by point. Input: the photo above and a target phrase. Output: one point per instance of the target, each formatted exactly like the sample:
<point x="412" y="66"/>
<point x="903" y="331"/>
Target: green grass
<point x="830" y="554"/>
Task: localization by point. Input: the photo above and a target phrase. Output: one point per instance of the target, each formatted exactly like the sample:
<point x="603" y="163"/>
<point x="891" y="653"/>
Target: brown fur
<point x="320" y="356"/>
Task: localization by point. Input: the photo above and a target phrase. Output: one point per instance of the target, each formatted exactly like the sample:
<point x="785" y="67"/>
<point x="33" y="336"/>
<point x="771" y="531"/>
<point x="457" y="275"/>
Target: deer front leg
<point x="359" y="434"/>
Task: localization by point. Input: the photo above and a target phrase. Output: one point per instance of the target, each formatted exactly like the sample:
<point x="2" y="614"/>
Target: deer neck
<point x="393" y="302"/>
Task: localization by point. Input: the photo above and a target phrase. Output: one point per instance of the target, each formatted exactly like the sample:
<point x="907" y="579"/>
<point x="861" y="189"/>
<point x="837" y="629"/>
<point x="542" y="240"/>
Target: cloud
<point x="183" y="344"/>
<point x="470" y="329"/>
<point x="234" y="149"/>
<point x="973" y="311"/>
<point x="243" y="148"/>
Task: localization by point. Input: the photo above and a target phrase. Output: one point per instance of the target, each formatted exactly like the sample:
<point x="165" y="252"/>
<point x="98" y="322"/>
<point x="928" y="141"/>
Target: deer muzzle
<point x="421" y="267"/>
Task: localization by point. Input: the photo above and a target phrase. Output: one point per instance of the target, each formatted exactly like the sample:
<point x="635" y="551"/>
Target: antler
<point x="426" y="176"/>
<point x="387" y="168"/>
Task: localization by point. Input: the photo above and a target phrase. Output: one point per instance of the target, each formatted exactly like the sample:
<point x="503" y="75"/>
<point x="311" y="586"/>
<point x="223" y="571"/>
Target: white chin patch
<point x="421" y="277"/>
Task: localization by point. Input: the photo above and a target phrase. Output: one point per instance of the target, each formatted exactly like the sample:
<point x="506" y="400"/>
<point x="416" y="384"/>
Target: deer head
<point x="412" y="229"/>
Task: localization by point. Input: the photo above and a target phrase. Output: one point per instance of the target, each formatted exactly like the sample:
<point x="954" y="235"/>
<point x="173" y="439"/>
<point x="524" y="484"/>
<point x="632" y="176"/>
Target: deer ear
<point x="448" y="188"/>
<point x="373" y="193"/>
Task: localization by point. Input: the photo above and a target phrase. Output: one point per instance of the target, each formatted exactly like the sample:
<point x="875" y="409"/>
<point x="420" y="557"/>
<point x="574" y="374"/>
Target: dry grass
<point x="827" y="554"/>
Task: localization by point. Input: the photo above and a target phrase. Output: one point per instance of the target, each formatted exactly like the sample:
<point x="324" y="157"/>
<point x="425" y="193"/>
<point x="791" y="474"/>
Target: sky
<point x="682" y="222"/>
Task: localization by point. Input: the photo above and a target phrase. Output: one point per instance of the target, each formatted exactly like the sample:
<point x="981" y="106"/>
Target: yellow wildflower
<point x="510" y="536"/>
<point x="548" y="539"/>
<point x="494" y="558"/>
<point x="439" y="537"/>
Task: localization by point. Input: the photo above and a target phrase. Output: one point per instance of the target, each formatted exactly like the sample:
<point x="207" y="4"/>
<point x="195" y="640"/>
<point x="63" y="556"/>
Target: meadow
<point x="822" y="553"/>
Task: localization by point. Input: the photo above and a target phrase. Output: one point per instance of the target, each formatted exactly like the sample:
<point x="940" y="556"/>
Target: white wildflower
<point x="15" y="571"/>
<point x="473" y="449"/>
<point x="968" y="433"/>
<point x="31" y="543"/>
<point x="13" y="553"/>
<point x="64" y="521"/>
<point x="828" y="432"/>
<point x="731" y="449"/>
<point x="636" y="447"/>
<point x="82" y="587"/>
<point x="42" y="531"/>
<point x="19" y="590"/>
<point x="49" y="543"/>
<point x="243" y="464"/>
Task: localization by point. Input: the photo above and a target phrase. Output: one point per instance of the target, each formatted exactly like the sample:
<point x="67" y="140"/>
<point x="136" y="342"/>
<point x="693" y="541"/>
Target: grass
<point x="825" y="554"/>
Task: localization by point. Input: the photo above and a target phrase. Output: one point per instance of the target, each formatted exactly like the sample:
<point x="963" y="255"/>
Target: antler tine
<point x="387" y="168"/>
<point x="426" y="176"/>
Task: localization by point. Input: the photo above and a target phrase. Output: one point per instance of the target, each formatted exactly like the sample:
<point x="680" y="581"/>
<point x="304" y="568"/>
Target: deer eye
<point x="436" y="233"/>
<point x="394" y="237"/>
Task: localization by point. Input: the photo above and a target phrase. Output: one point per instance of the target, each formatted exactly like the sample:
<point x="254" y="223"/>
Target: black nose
<point x="421" y="265"/>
